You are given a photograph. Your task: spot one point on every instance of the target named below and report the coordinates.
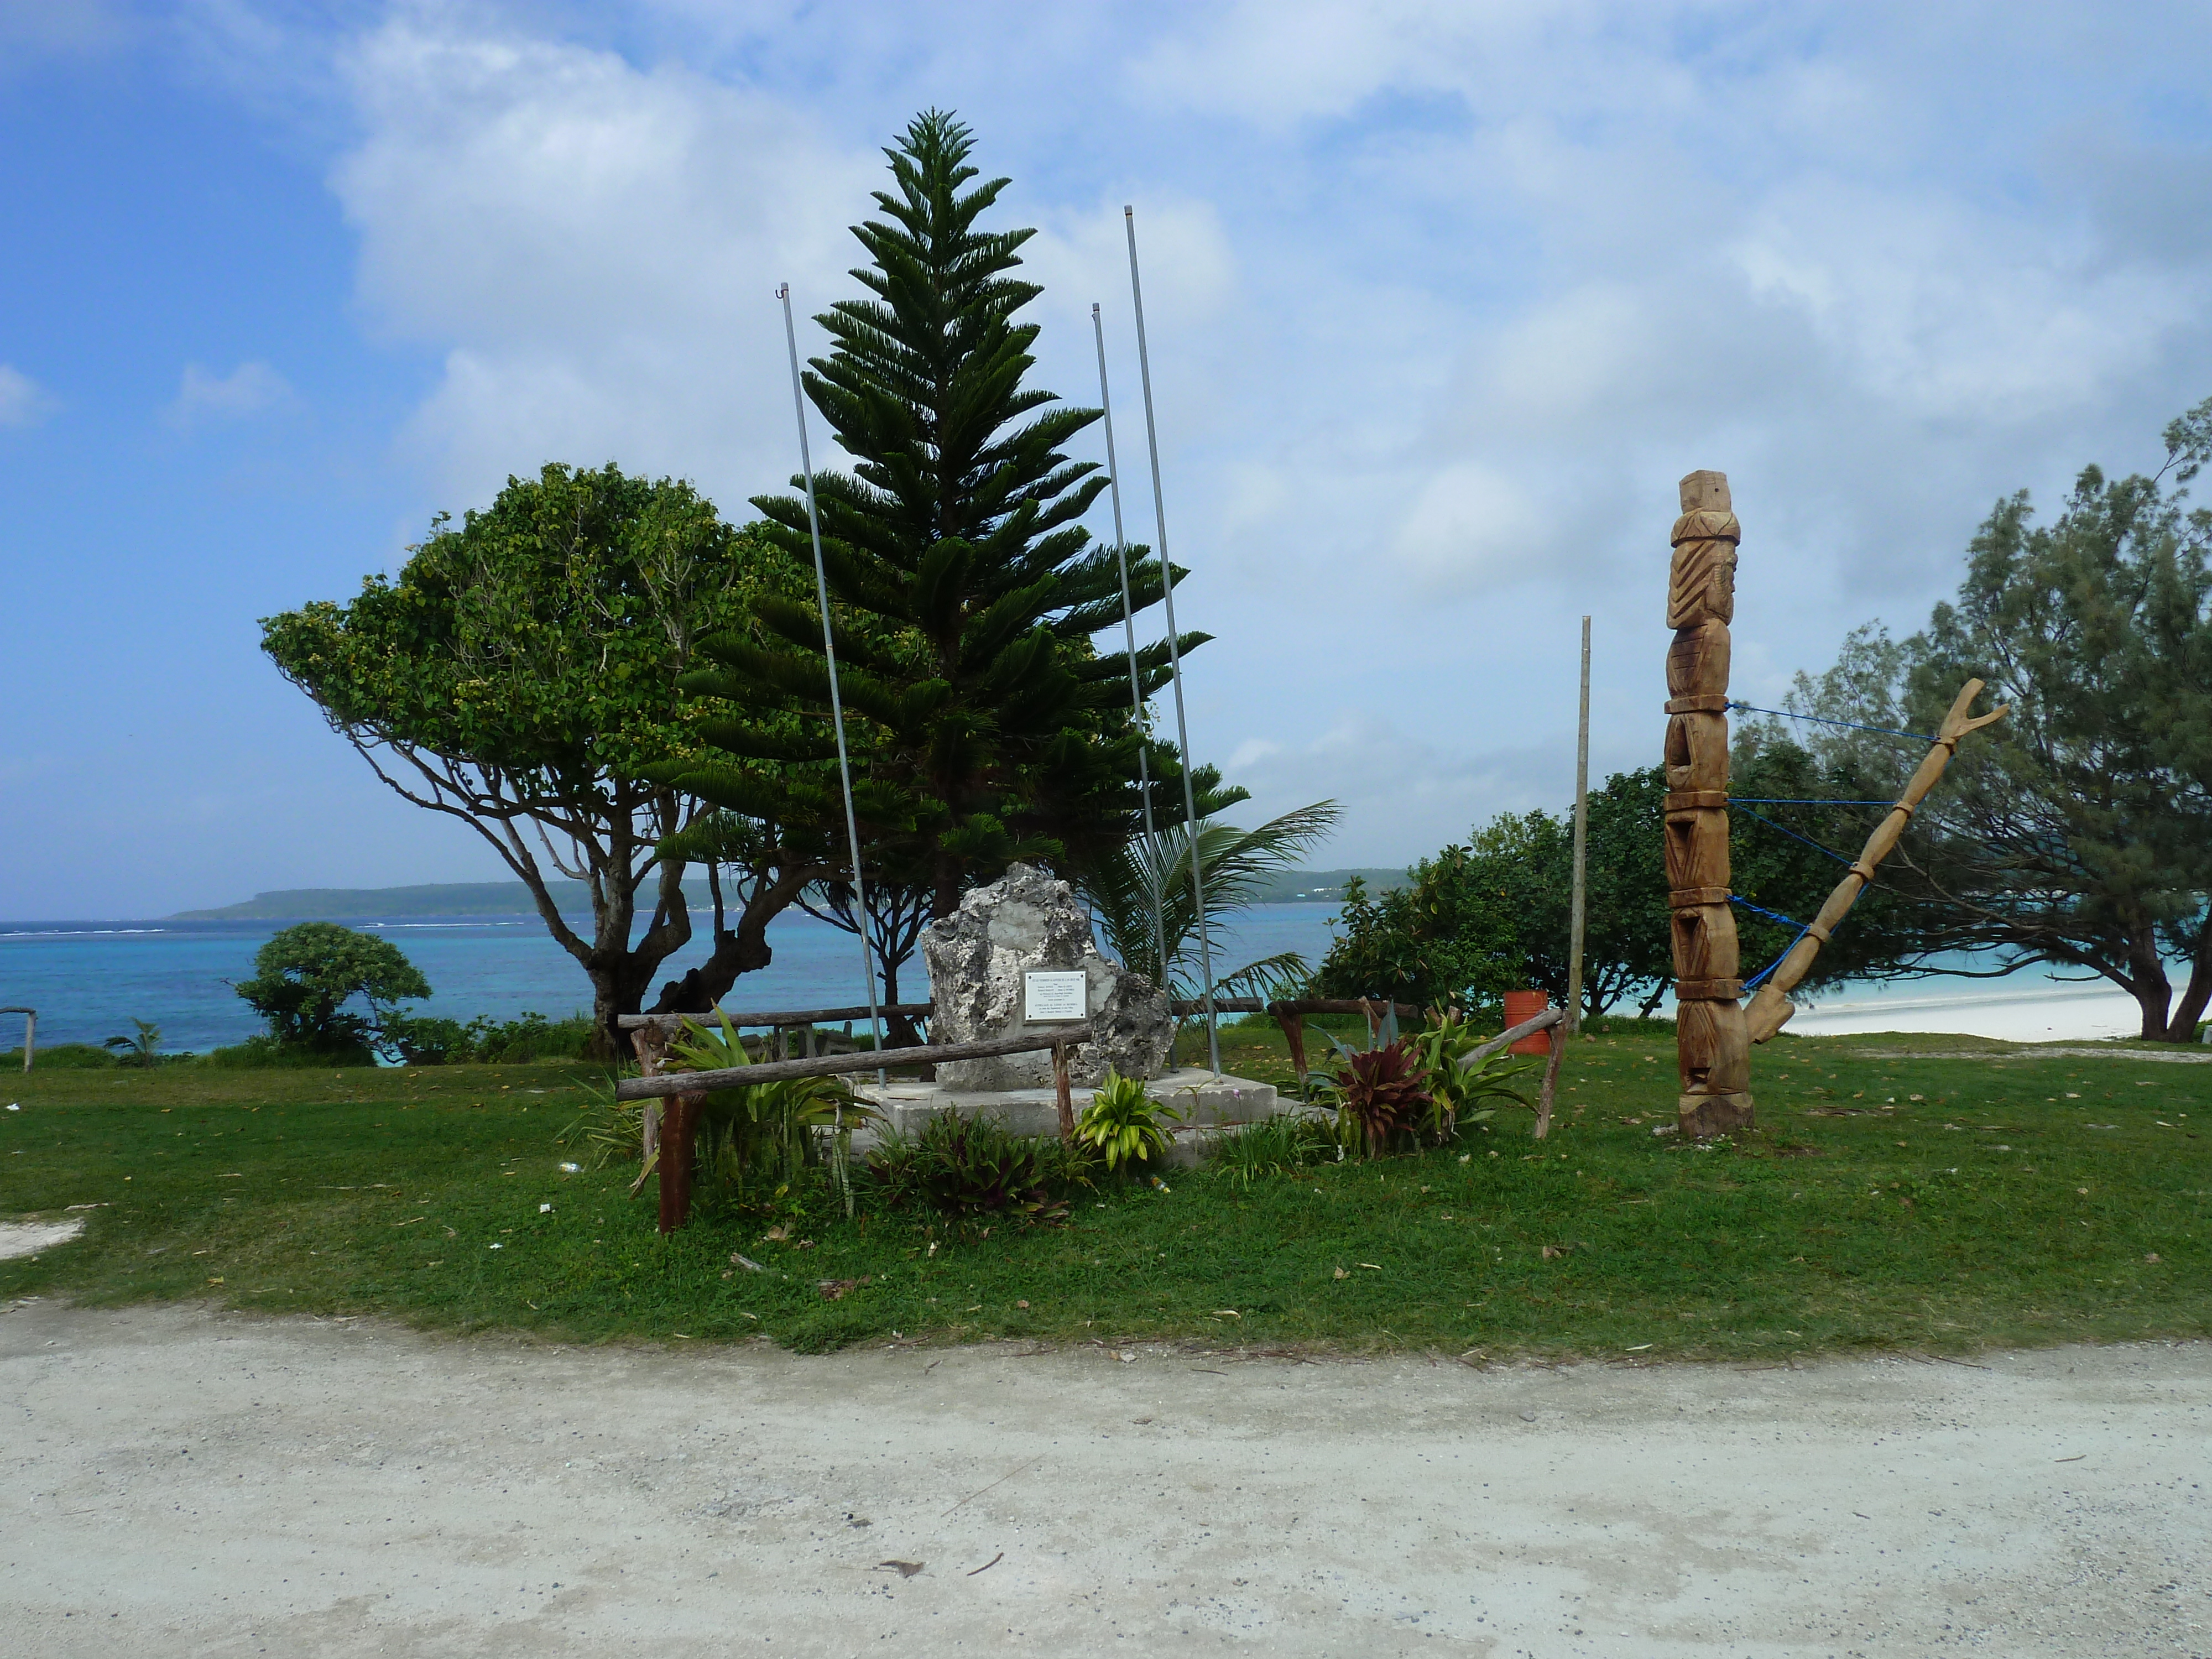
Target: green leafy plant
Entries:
(761, 1135)
(306, 977)
(1123, 1122)
(426, 1040)
(142, 1048)
(1277, 1145)
(969, 1167)
(1456, 1090)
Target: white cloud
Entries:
(597, 245)
(23, 401)
(247, 390)
(1442, 301)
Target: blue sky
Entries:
(1443, 298)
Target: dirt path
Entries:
(185, 1483)
(2198, 1056)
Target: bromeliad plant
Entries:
(1125, 1124)
(1381, 1097)
(1457, 1091)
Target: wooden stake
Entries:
(1551, 1080)
(1063, 1096)
(1712, 1048)
(678, 1133)
(1577, 916)
(1771, 1008)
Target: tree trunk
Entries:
(899, 1032)
(2148, 985)
(745, 949)
(2181, 1028)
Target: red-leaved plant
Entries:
(1381, 1094)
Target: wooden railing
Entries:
(685, 1092)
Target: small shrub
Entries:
(967, 1167)
(427, 1040)
(62, 1057)
(265, 1053)
(766, 1135)
(1277, 1145)
(1123, 1122)
(1457, 1092)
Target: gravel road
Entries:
(177, 1481)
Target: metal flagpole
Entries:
(1174, 653)
(1136, 688)
(1576, 923)
(837, 703)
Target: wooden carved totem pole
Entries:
(1712, 1046)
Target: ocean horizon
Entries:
(89, 979)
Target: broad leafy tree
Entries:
(964, 588)
(518, 674)
(306, 979)
(2078, 831)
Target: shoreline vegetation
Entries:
(1927, 1194)
(459, 899)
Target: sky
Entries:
(1442, 299)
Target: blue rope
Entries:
(1819, 720)
(1771, 916)
(1754, 980)
(1794, 835)
(1763, 801)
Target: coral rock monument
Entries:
(1017, 957)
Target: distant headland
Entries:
(461, 899)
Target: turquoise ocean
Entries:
(89, 980)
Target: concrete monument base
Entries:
(1207, 1103)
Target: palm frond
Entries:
(1234, 866)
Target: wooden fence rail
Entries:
(685, 1092)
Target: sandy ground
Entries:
(29, 1237)
(181, 1482)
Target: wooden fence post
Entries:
(1063, 1093)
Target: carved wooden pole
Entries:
(1712, 1047)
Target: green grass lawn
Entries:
(1912, 1203)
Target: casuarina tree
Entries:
(2077, 832)
(964, 588)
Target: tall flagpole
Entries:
(1174, 653)
(837, 703)
(1578, 914)
(1136, 686)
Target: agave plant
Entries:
(1380, 1094)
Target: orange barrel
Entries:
(1526, 1005)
